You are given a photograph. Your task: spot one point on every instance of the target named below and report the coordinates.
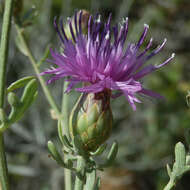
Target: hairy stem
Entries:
(34, 65)
(65, 121)
(3, 62)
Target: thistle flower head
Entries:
(102, 60)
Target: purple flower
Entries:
(102, 62)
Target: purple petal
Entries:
(151, 93)
(70, 86)
(94, 88)
(157, 50)
(71, 30)
(57, 29)
(147, 48)
(146, 27)
(150, 68)
(127, 86)
(130, 100)
(62, 29)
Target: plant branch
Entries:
(4, 47)
(34, 65)
(170, 185)
(3, 63)
(3, 166)
(65, 125)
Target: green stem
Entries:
(34, 64)
(170, 185)
(65, 115)
(91, 181)
(3, 166)
(3, 62)
(79, 183)
(4, 47)
(64, 110)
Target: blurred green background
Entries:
(146, 137)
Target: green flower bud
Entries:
(94, 120)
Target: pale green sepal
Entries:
(82, 123)
(105, 119)
(92, 132)
(74, 113)
(93, 115)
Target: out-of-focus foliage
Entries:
(146, 137)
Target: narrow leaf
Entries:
(111, 156)
(54, 153)
(180, 157)
(168, 170)
(19, 83)
(98, 183)
(99, 151)
(62, 137)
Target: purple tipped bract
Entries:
(102, 61)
